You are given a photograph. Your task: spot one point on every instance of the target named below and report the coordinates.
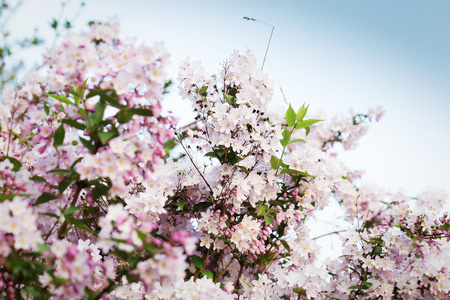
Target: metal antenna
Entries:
(268, 44)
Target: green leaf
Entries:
(204, 89)
(307, 123)
(208, 274)
(167, 84)
(274, 162)
(280, 229)
(202, 205)
(72, 167)
(54, 24)
(37, 178)
(106, 136)
(228, 98)
(46, 109)
(236, 158)
(169, 145)
(71, 210)
(97, 116)
(286, 245)
(59, 135)
(181, 204)
(146, 112)
(100, 191)
(286, 137)
(212, 153)
(59, 171)
(36, 292)
(36, 97)
(45, 197)
(124, 115)
(198, 262)
(377, 250)
(81, 225)
(297, 141)
(65, 183)
(16, 164)
(78, 92)
(290, 116)
(59, 280)
(67, 25)
(307, 130)
(300, 291)
(50, 215)
(151, 247)
(268, 220)
(290, 171)
(366, 285)
(107, 95)
(60, 98)
(261, 208)
(87, 143)
(43, 247)
(4, 197)
(301, 113)
(74, 124)
(269, 257)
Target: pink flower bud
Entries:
(167, 246)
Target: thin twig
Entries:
(192, 161)
(329, 233)
(224, 270)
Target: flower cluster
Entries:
(393, 261)
(343, 128)
(95, 204)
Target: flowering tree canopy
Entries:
(104, 196)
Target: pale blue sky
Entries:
(331, 54)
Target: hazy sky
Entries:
(331, 54)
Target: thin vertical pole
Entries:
(268, 44)
(267, 50)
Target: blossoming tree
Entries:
(104, 197)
